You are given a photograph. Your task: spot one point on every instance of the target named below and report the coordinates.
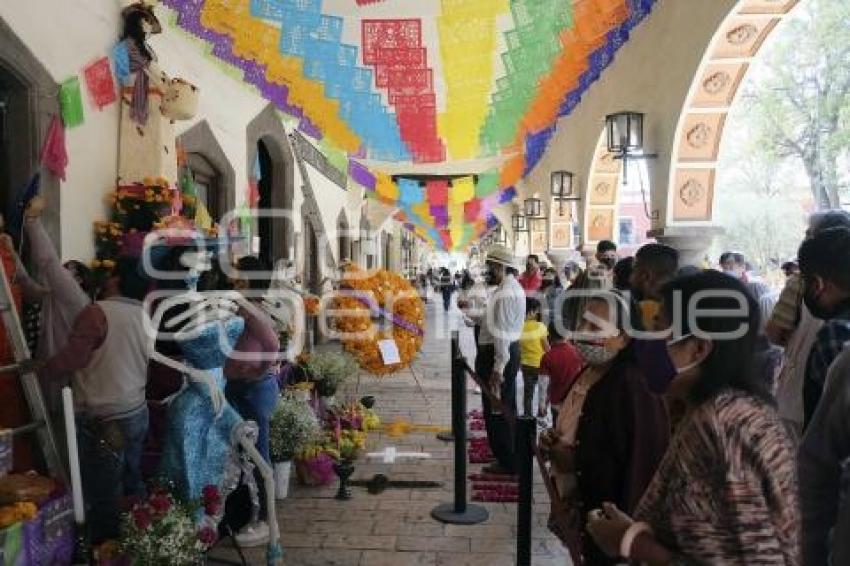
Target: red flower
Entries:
(160, 504)
(142, 517)
(207, 536)
(210, 494)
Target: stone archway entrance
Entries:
(28, 102)
(690, 197)
(272, 166)
(343, 238)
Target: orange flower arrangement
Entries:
(388, 290)
(311, 305)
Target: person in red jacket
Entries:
(560, 365)
(531, 279)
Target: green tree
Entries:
(801, 108)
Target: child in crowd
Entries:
(560, 366)
(533, 344)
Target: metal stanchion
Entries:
(459, 512)
(526, 430)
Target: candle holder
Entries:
(343, 470)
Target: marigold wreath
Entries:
(378, 305)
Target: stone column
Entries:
(692, 242)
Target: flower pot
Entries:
(282, 472)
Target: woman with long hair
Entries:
(611, 431)
(726, 491)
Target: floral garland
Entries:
(375, 294)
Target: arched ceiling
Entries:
(428, 87)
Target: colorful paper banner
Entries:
(71, 103)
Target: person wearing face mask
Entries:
(611, 432)
(498, 357)
(726, 490)
(734, 265)
(531, 279)
(606, 254)
(825, 269)
(655, 265)
(793, 327)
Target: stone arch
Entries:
(32, 103)
(343, 237)
(737, 41)
(266, 128)
(601, 196)
(200, 139)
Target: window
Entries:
(627, 232)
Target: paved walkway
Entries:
(395, 528)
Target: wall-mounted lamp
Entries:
(625, 138)
(519, 223)
(562, 189)
(531, 207)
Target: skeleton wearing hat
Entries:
(150, 100)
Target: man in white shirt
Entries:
(498, 353)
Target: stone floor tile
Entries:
(342, 527)
(433, 529)
(383, 558)
(485, 531)
(455, 559)
(321, 557)
(363, 542)
(438, 544)
(301, 540)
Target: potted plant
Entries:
(161, 530)
(329, 370)
(293, 425)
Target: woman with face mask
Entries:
(726, 490)
(611, 431)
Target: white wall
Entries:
(65, 35)
(652, 73)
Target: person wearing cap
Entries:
(497, 362)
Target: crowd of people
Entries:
(697, 415)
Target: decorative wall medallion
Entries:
(561, 235)
(605, 162)
(602, 189)
(716, 82)
(600, 225)
(538, 242)
(692, 192)
(739, 35)
(699, 135)
(692, 196)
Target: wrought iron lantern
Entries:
(519, 223)
(532, 207)
(624, 133)
(562, 189)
